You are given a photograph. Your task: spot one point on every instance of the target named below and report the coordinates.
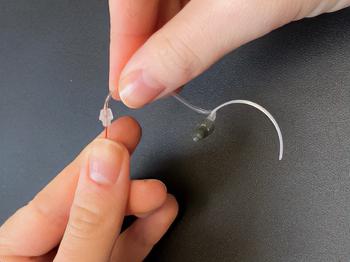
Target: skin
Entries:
(156, 47)
(159, 45)
(75, 218)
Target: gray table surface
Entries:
(238, 202)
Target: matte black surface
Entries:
(238, 202)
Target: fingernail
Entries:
(138, 89)
(105, 162)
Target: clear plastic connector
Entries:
(106, 117)
(106, 114)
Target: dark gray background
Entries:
(238, 202)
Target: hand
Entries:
(159, 45)
(83, 208)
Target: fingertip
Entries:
(127, 131)
(106, 159)
(99, 204)
(108, 149)
(172, 209)
(146, 196)
(115, 94)
(161, 185)
(138, 88)
(128, 122)
(157, 188)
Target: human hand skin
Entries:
(159, 45)
(78, 215)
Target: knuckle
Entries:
(41, 210)
(5, 246)
(9, 245)
(84, 221)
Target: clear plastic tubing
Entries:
(211, 116)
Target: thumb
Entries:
(194, 39)
(199, 35)
(99, 204)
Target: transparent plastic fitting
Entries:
(106, 117)
(106, 114)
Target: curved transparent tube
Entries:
(264, 111)
(190, 106)
(106, 103)
(207, 127)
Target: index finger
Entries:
(132, 22)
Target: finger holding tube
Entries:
(99, 204)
